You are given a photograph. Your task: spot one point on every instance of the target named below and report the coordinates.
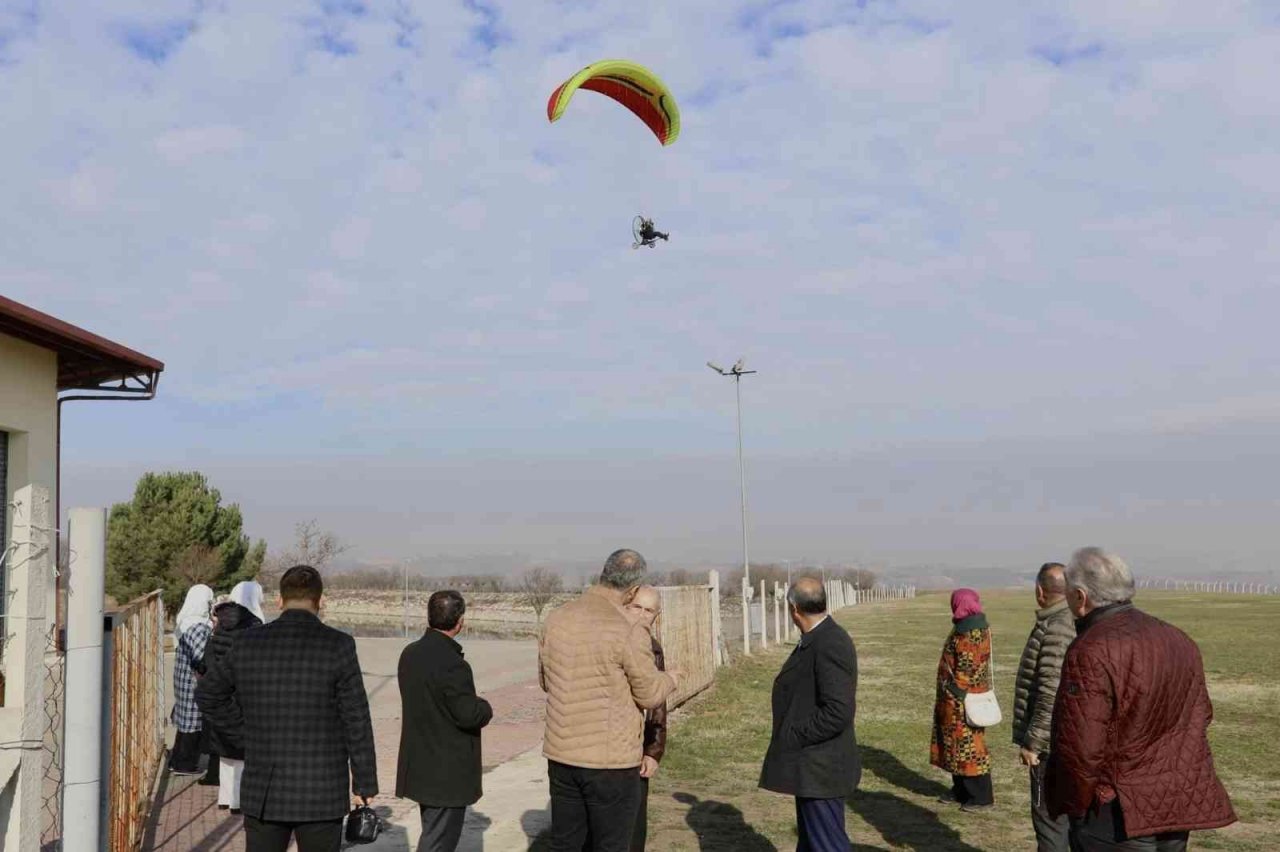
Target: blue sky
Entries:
(350, 232)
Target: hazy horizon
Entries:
(1174, 504)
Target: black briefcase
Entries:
(363, 824)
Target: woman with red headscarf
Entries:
(965, 667)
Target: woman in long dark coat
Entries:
(965, 667)
(242, 612)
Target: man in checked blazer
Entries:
(291, 693)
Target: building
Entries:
(44, 363)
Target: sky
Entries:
(1008, 273)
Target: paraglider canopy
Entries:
(634, 86)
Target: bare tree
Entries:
(861, 578)
(311, 546)
(199, 563)
(538, 587)
(680, 577)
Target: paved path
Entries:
(186, 817)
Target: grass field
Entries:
(705, 797)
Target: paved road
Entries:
(187, 819)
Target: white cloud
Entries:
(182, 146)
(1090, 188)
(350, 239)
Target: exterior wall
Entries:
(29, 413)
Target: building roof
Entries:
(85, 360)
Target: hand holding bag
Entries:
(363, 824)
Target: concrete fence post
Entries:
(82, 783)
(764, 618)
(777, 612)
(717, 648)
(30, 569)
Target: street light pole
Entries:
(737, 372)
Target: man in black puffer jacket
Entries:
(242, 612)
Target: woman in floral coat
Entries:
(965, 667)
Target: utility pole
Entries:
(737, 372)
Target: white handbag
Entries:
(981, 709)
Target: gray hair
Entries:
(808, 595)
(1103, 575)
(623, 569)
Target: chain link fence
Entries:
(55, 682)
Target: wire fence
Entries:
(55, 682)
(136, 722)
(1219, 587)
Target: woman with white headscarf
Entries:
(242, 611)
(191, 630)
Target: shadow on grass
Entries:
(895, 772)
(906, 825)
(721, 826)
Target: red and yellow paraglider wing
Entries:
(634, 86)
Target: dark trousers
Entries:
(596, 803)
(441, 828)
(267, 836)
(640, 836)
(1051, 834)
(820, 823)
(973, 789)
(185, 756)
(1102, 830)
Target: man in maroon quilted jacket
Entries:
(1129, 760)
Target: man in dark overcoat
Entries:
(439, 766)
(291, 694)
(813, 754)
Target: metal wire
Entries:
(55, 682)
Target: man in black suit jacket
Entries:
(291, 693)
(439, 765)
(813, 754)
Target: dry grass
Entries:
(705, 797)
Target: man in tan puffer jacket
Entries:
(599, 675)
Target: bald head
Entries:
(1052, 577)
(808, 596)
(644, 605)
(1051, 583)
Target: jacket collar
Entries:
(297, 616)
(977, 621)
(806, 639)
(1096, 615)
(605, 593)
(436, 636)
(1051, 610)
